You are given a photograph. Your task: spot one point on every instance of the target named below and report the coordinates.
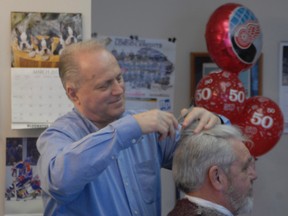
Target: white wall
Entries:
(6, 7)
(186, 20)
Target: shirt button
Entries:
(133, 141)
(135, 212)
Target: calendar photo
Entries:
(37, 39)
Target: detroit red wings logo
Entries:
(246, 33)
(244, 41)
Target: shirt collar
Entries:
(208, 204)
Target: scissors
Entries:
(181, 118)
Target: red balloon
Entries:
(262, 121)
(221, 92)
(233, 37)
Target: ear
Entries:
(35, 40)
(17, 32)
(71, 93)
(217, 177)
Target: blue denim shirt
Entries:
(113, 171)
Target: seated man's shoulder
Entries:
(184, 207)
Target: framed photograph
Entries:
(202, 64)
(283, 82)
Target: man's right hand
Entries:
(157, 121)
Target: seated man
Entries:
(215, 171)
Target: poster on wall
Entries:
(22, 185)
(37, 40)
(148, 67)
(283, 83)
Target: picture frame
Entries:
(283, 64)
(202, 64)
(283, 82)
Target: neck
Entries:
(211, 196)
(99, 125)
(208, 207)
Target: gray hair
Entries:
(68, 65)
(196, 153)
